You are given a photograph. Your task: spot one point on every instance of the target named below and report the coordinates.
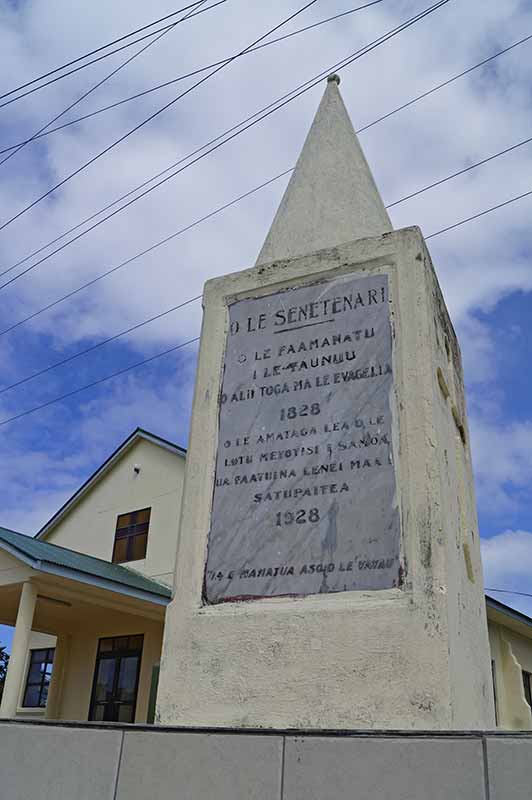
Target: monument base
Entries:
(405, 650)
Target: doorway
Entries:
(116, 679)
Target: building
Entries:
(73, 601)
(88, 596)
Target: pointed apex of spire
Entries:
(332, 197)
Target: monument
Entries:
(328, 571)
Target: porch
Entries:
(108, 622)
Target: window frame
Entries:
(42, 683)
(130, 533)
(527, 686)
(116, 654)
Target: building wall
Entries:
(511, 653)
(80, 663)
(90, 526)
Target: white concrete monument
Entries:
(328, 571)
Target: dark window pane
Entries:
(124, 520)
(143, 516)
(120, 643)
(527, 686)
(135, 643)
(120, 550)
(127, 679)
(97, 713)
(44, 695)
(105, 644)
(138, 545)
(34, 674)
(104, 680)
(110, 712)
(38, 656)
(136, 529)
(125, 713)
(31, 698)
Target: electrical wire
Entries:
(186, 75)
(100, 380)
(445, 83)
(140, 254)
(190, 341)
(137, 188)
(97, 85)
(153, 116)
(480, 214)
(98, 50)
(231, 203)
(255, 119)
(508, 591)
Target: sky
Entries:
(484, 267)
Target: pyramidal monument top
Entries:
(331, 197)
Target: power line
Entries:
(151, 117)
(445, 83)
(360, 130)
(101, 58)
(177, 347)
(480, 214)
(99, 49)
(460, 172)
(508, 591)
(100, 380)
(96, 346)
(100, 83)
(254, 119)
(187, 75)
(229, 204)
(142, 253)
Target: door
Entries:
(116, 679)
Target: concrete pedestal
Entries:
(414, 656)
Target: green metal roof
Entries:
(52, 558)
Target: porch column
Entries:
(55, 692)
(19, 649)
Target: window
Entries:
(131, 537)
(38, 681)
(116, 679)
(495, 698)
(526, 683)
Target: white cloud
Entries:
(506, 559)
(502, 456)
(477, 264)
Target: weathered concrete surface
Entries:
(413, 657)
(191, 766)
(58, 763)
(72, 761)
(331, 197)
(402, 769)
(509, 768)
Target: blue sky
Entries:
(485, 268)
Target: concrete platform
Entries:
(62, 761)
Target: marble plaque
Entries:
(305, 500)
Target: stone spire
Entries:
(332, 197)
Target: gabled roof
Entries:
(51, 558)
(108, 464)
(502, 608)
